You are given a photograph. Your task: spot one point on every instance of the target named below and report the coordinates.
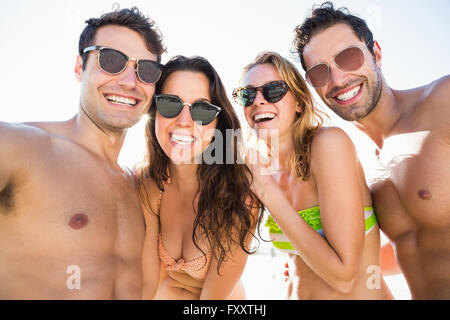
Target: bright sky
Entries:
(40, 38)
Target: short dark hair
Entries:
(131, 18)
(326, 16)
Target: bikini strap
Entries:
(159, 201)
(160, 196)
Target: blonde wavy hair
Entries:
(306, 122)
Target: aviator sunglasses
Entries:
(170, 106)
(113, 62)
(273, 92)
(348, 59)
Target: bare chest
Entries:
(301, 194)
(177, 217)
(413, 187)
(71, 197)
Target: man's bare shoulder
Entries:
(20, 144)
(19, 135)
(436, 98)
(439, 88)
(436, 102)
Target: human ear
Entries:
(78, 68)
(298, 108)
(377, 52)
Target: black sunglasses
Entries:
(273, 92)
(170, 106)
(113, 61)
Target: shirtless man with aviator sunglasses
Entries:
(411, 129)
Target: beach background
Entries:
(39, 41)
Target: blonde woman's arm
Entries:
(334, 168)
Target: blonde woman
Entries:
(320, 206)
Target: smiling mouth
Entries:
(348, 95)
(264, 117)
(124, 101)
(182, 139)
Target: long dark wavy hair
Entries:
(225, 200)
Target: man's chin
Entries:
(352, 113)
(119, 126)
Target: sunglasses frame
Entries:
(157, 96)
(337, 65)
(261, 89)
(137, 61)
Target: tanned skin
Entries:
(71, 223)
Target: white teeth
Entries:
(349, 94)
(121, 100)
(182, 139)
(266, 115)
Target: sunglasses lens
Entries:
(274, 92)
(203, 112)
(318, 75)
(112, 61)
(245, 97)
(168, 106)
(350, 59)
(149, 71)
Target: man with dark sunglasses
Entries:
(71, 223)
(411, 129)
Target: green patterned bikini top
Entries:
(312, 217)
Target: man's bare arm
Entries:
(17, 145)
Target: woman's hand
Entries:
(263, 171)
(184, 281)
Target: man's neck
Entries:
(105, 144)
(379, 124)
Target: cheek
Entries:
(207, 137)
(287, 108)
(248, 116)
(150, 91)
(207, 132)
(159, 130)
(286, 120)
(89, 96)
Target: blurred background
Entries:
(39, 41)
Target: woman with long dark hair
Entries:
(199, 209)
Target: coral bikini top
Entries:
(196, 268)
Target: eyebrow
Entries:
(203, 99)
(250, 86)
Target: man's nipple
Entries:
(424, 194)
(78, 221)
